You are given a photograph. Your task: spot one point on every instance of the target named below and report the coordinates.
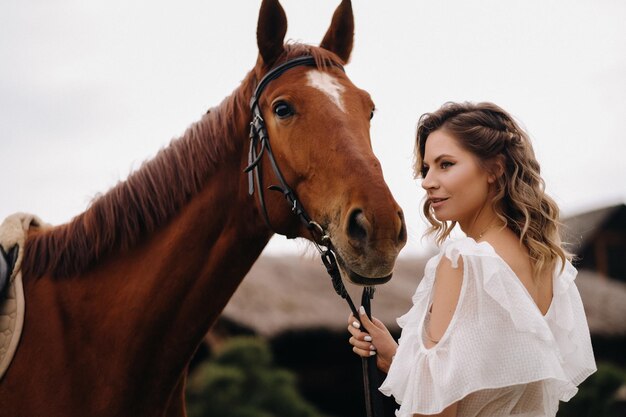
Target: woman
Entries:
(497, 327)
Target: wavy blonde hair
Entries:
(492, 135)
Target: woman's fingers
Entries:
(363, 349)
(364, 353)
(362, 344)
(352, 321)
(365, 321)
(365, 324)
(354, 327)
(361, 341)
(373, 325)
(358, 334)
(379, 324)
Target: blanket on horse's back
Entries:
(13, 233)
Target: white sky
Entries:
(90, 89)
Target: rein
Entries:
(260, 145)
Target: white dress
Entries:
(499, 355)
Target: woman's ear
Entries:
(496, 169)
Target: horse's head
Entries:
(318, 123)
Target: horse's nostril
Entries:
(357, 225)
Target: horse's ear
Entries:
(340, 35)
(271, 30)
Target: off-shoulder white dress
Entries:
(499, 356)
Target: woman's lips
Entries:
(437, 202)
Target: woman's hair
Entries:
(491, 134)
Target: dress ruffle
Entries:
(497, 337)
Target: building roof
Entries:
(291, 293)
(605, 303)
(579, 229)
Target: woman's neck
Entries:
(483, 222)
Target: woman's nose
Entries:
(428, 182)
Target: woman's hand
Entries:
(371, 337)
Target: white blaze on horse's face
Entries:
(328, 85)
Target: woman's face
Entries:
(456, 183)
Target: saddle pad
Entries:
(13, 231)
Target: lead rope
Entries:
(371, 377)
(371, 381)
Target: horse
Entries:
(120, 297)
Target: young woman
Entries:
(497, 327)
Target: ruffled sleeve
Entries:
(568, 323)
(496, 338)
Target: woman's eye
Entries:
(445, 165)
(283, 110)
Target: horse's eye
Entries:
(283, 110)
(372, 113)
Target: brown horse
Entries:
(119, 299)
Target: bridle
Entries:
(260, 145)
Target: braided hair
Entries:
(492, 135)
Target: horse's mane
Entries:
(153, 194)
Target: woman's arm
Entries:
(446, 293)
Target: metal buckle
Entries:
(324, 239)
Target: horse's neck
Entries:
(185, 273)
(189, 268)
(156, 301)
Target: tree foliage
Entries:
(596, 396)
(241, 381)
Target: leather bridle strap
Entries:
(259, 146)
(259, 137)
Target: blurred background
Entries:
(90, 90)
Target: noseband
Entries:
(260, 145)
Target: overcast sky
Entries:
(91, 89)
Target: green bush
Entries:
(596, 396)
(242, 382)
